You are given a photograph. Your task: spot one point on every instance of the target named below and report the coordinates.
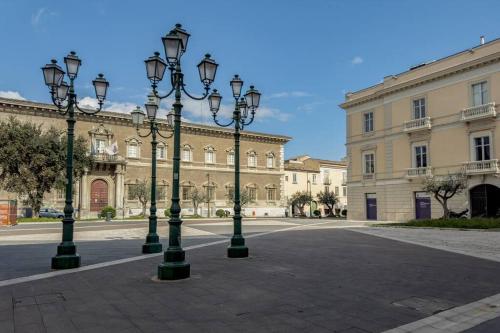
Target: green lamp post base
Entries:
(174, 270)
(66, 261)
(238, 251)
(152, 248)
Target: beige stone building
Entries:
(207, 162)
(433, 119)
(312, 175)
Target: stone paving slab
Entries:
(295, 281)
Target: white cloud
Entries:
(36, 17)
(357, 60)
(11, 95)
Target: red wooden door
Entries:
(98, 195)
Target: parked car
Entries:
(51, 212)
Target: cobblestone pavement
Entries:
(307, 279)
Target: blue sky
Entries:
(302, 55)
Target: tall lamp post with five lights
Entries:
(240, 119)
(65, 99)
(152, 244)
(174, 266)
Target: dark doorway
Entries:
(422, 205)
(98, 195)
(371, 206)
(485, 201)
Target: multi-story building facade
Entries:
(434, 119)
(312, 175)
(207, 163)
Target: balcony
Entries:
(482, 167)
(479, 112)
(417, 125)
(368, 176)
(106, 158)
(326, 181)
(418, 172)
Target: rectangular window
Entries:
(271, 194)
(421, 156)
(314, 178)
(294, 178)
(100, 146)
(230, 158)
(230, 193)
(162, 153)
(344, 191)
(369, 163)
(132, 150)
(252, 161)
(210, 193)
(185, 193)
(482, 148)
(479, 93)
(130, 195)
(336, 190)
(209, 157)
(419, 108)
(270, 161)
(327, 188)
(286, 178)
(186, 155)
(252, 193)
(368, 122)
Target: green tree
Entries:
(245, 197)
(141, 191)
(300, 199)
(444, 188)
(329, 199)
(197, 197)
(34, 161)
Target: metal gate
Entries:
(98, 195)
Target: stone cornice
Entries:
(383, 92)
(47, 110)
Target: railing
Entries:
(479, 112)
(368, 176)
(482, 167)
(326, 181)
(419, 172)
(417, 124)
(104, 157)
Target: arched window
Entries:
(187, 155)
(252, 159)
(209, 155)
(270, 160)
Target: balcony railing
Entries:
(417, 124)
(104, 157)
(326, 181)
(419, 172)
(479, 112)
(482, 167)
(368, 176)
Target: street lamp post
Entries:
(237, 249)
(174, 266)
(65, 99)
(152, 244)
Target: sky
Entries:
(302, 55)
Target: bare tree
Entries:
(197, 197)
(444, 188)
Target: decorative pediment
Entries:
(101, 130)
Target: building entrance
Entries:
(485, 201)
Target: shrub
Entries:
(337, 211)
(317, 212)
(167, 212)
(220, 212)
(344, 212)
(105, 210)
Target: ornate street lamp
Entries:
(175, 43)
(152, 244)
(250, 102)
(65, 99)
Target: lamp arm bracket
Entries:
(143, 135)
(155, 92)
(193, 97)
(61, 108)
(243, 123)
(89, 112)
(223, 125)
(167, 136)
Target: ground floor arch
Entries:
(98, 195)
(485, 200)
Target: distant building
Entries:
(433, 119)
(207, 162)
(312, 175)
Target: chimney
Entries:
(481, 40)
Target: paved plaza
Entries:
(302, 276)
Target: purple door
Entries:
(422, 206)
(371, 207)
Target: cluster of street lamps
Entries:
(174, 265)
